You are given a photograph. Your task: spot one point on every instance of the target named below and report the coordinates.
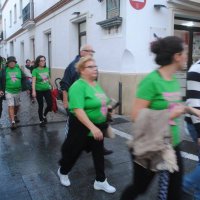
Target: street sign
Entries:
(138, 4)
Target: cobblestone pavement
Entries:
(28, 113)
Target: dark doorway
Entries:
(189, 31)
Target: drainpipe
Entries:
(31, 9)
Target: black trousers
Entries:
(77, 140)
(39, 96)
(143, 177)
(1, 106)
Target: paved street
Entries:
(29, 156)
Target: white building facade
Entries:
(120, 32)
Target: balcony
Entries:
(28, 17)
(111, 23)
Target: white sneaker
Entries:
(64, 179)
(105, 186)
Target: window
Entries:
(15, 13)
(10, 18)
(22, 52)
(4, 28)
(32, 42)
(48, 49)
(11, 48)
(82, 33)
(113, 8)
(20, 8)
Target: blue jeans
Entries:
(191, 181)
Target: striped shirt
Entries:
(193, 94)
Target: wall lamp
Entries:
(159, 6)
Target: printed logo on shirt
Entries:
(13, 76)
(45, 77)
(103, 100)
(172, 98)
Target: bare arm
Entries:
(83, 118)
(33, 87)
(193, 111)
(141, 104)
(65, 99)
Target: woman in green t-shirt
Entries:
(41, 88)
(88, 107)
(158, 91)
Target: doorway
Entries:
(189, 31)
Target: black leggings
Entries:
(47, 95)
(77, 140)
(143, 177)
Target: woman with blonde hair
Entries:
(88, 106)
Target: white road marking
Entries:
(129, 137)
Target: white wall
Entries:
(125, 51)
(109, 47)
(140, 26)
(42, 5)
(16, 25)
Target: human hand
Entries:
(96, 132)
(193, 111)
(65, 104)
(177, 111)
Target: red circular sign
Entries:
(138, 4)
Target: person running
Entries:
(13, 81)
(87, 121)
(160, 90)
(41, 88)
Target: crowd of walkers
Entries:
(155, 148)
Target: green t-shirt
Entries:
(13, 80)
(162, 94)
(42, 79)
(91, 99)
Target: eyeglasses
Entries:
(42, 60)
(89, 51)
(91, 66)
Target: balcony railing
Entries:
(28, 16)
